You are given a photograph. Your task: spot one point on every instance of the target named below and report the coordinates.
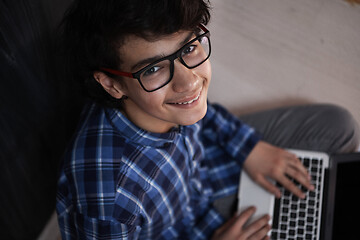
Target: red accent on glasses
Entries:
(116, 72)
(203, 28)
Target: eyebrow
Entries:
(149, 60)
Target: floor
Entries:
(269, 53)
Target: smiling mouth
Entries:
(190, 101)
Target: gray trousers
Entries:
(325, 128)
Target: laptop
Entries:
(331, 211)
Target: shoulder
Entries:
(110, 175)
(92, 162)
(96, 135)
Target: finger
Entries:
(296, 163)
(261, 234)
(259, 227)
(300, 177)
(243, 218)
(234, 226)
(289, 185)
(265, 183)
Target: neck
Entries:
(144, 120)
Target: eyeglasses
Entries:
(159, 73)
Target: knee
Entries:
(343, 124)
(338, 115)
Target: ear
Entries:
(112, 86)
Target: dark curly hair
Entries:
(92, 30)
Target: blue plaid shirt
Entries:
(121, 182)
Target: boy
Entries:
(152, 158)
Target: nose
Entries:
(184, 79)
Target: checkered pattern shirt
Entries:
(120, 182)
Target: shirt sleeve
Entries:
(93, 228)
(74, 225)
(236, 138)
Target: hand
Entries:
(234, 228)
(267, 161)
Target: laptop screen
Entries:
(347, 199)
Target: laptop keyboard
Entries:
(296, 218)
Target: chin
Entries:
(194, 118)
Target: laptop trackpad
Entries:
(255, 196)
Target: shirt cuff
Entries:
(246, 144)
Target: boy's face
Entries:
(181, 102)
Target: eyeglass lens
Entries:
(159, 74)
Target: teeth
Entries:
(191, 101)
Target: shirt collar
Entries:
(138, 135)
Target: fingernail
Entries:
(252, 208)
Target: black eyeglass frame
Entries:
(171, 58)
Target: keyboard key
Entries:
(314, 161)
(295, 198)
(285, 210)
(306, 162)
(296, 182)
(310, 219)
(314, 178)
(309, 228)
(311, 211)
(312, 194)
(303, 189)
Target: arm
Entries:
(243, 143)
(74, 225)
(91, 228)
(227, 131)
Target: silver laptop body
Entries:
(292, 218)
